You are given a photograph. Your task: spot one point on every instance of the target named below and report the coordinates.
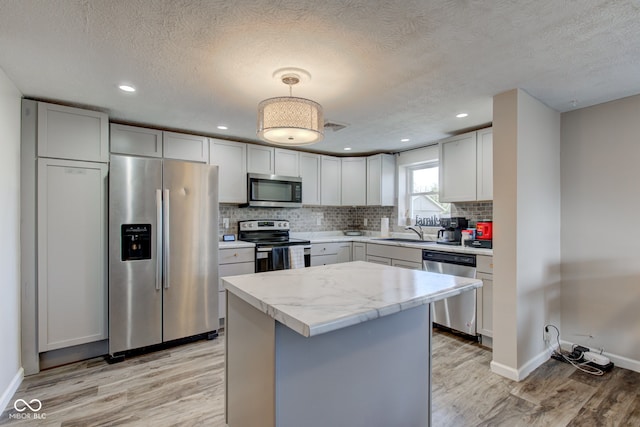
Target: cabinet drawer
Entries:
(232, 256)
(406, 264)
(484, 264)
(378, 260)
(325, 249)
(324, 259)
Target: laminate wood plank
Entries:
(185, 386)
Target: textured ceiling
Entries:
(387, 69)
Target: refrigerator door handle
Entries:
(165, 219)
(159, 239)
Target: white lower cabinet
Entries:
(394, 255)
(72, 253)
(233, 262)
(484, 308)
(359, 252)
(330, 253)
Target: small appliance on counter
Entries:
(451, 231)
(484, 236)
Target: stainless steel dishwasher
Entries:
(456, 313)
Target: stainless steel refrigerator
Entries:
(163, 251)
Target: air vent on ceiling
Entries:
(334, 126)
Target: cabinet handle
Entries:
(491, 265)
(235, 254)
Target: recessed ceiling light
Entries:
(405, 140)
(461, 115)
(347, 148)
(127, 88)
(222, 127)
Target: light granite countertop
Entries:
(317, 300)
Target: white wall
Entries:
(600, 243)
(526, 212)
(10, 370)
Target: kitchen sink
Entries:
(398, 239)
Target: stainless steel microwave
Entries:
(274, 191)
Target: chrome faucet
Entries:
(419, 232)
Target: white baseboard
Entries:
(619, 361)
(5, 399)
(522, 372)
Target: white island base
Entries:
(375, 373)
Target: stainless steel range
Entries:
(275, 250)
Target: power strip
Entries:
(596, 358)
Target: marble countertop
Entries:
(317, 300)
(235, 245)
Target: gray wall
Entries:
(600, 255)
(10, 371)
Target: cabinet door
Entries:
(286, 162)
(231, 270)
(458, 169)
(381, 178)
(136, 141)
(182, 146)
(231, 158)
(344, 252)
(359, 252)
(485, 164)
(310, 173)
(484, 306)
(330, 181)
(72, 253)
(354, 181)
(260, 159)
(72, 133)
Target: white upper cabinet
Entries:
(458, 168)
(354, 181)
(381, 177)
(136, 141)
(287, 162)
(310, 174)
(330, 180)
(181, 146)
(72, 133)
(231, 158)
(485, 164)
(260, 159)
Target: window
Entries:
(422, 192)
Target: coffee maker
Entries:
(451, 231)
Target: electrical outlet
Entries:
(318, 220)
(365, 222)
(225, 222)
(545, 334)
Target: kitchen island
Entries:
(342, 344)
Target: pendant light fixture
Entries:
(288, 120)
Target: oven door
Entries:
(269, 258)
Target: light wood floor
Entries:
(185, 386)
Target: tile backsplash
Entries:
(336, 218)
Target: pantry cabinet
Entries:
(71, 133)
(381, 178)
(330, 181)
(231, 159)
(466, 167)
(354, 181)
(135, 141)
(260, 159)
(181, 146)
(310, 174)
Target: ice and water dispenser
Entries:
(136, 241)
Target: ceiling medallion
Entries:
(289, 120)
